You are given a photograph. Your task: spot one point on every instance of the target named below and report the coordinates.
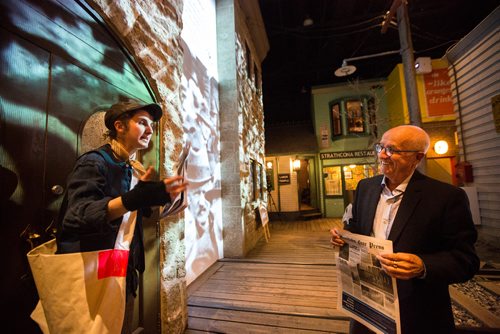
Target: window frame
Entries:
(339, 126)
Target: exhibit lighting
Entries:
(269, 164)
(441, 147)
(296, 164)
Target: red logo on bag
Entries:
(112, 263)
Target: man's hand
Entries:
(402, 265)
(336, 239)
(175, 185)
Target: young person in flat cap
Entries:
(108, 183)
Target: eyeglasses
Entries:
(390, 151)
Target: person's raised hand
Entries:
(175, 185)
(149, 175)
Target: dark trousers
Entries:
(129, 315)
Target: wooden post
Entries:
(408, 64)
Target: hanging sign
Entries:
(284, 178)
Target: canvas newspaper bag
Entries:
(82, 292)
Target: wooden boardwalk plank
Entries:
(257, 306)
(274, 298)
(266, 319)
(288, 285)
(267, 289)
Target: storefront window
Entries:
(355, 173)
(372, 120)
(336, 122)
(333, 181)
(355, 123)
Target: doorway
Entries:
(306, 185)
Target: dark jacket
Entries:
(97, 178)
(435, 223)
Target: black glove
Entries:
(145, 194)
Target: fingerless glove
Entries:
(145, 194)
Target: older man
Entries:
(430, 225)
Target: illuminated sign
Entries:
(347, 154)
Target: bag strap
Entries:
(64, 204)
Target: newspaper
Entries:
(179, 203)
(366, 292)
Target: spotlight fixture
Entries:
(308, 21)
(345, 70)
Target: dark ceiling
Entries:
(301, 57)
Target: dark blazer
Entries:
(435, 223)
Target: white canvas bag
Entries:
(82, 292)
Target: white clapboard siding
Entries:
(475, 78)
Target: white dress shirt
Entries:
(387, 208)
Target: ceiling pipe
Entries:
(371, 56)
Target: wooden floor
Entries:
(285, 286)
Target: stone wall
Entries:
(251, 127)
(151, 30)
(242, 45)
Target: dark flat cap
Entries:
(122, 107)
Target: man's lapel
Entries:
(372, 197)
(410, 200)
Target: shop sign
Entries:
(283, 178)
(438, 93)
(347, 154)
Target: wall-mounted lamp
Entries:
(346, 69)
(308, 21)
(269, 164)
(296, 164)
(441, 147)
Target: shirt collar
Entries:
(400, 189)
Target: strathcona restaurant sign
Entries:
(347, 154)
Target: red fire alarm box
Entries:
(464, 172)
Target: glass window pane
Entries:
(333, 181)
(336, 123)
(372, 110)
(355, 173)
(355, 116)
